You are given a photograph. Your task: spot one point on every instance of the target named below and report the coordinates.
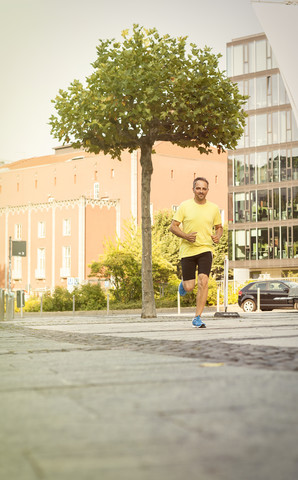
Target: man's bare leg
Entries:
(189, 285)
(202, 293)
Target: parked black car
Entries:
(273, 294)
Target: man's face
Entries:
(200, 190)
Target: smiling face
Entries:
(200, 191)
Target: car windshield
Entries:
(291, 284)
(260, 285)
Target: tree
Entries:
(164, 243)
(220, 252)
(145, 89)
(122, 261)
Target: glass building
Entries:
(263, 169)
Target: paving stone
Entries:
(120, 398)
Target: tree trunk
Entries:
(148, 301)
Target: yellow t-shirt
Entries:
(197, 218)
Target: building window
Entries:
(263, 243)
(295, 163)
(252, 168)
(239, 170)
(18, 187)
(18, 231)
(294, 129)
(35, 183)
(238, 60)
(239, 203)
(17, 268)
(66, 262)
(253, 244)
(172, 174)
(283, 165)
(112, 173)
(74, 179)
(261, 130)
(253, 206)
(174, 208)
(295, 202)
(96, 190)
(261, 55)
(66, 227)
(261, 92)
(262, 203)
(41, 263)
(41, 230)
(261, 158)
(295, 241)
(239, 244)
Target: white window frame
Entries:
(41, 229)
(18, 231)
(96, 190)
(40, 271)
(66, 227)
(17, 268)
(66, 262)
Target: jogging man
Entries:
(197, 217)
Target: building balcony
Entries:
(40, 274)
(64, 272)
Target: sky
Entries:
(46, 44)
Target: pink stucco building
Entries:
(65, 206)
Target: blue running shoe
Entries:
(181, 290)
(197, 322)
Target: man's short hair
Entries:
(203, 179)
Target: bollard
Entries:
(21, 300)
(10, 306)
(217, 299)
(258, 299)
(108, 303)
(73, 304)
(1, 304)
(178, 302)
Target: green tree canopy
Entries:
(122, 261)
(220, 252)
(145, 89)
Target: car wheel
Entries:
(249, 305)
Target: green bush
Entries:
(89, 297)
(59, 301)
(32, 304)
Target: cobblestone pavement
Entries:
(119, 398)
(230, 350)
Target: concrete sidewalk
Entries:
(97, 397)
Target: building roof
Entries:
(161, 148)
(44, 160)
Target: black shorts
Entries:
(189, 265)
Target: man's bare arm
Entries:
(218, 233)
(176, 230)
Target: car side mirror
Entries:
(286, 289)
